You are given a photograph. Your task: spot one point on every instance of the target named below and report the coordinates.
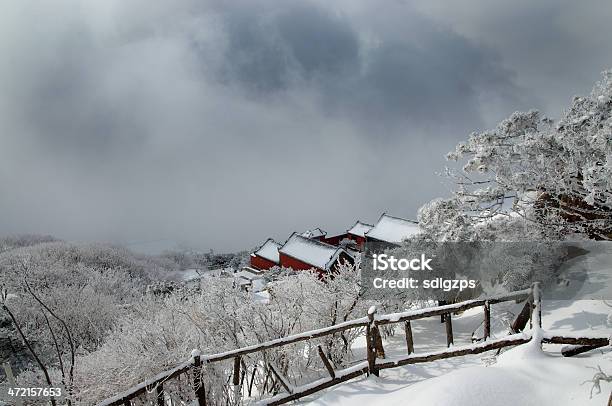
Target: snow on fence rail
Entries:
(374, 349)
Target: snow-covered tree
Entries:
(554, 176)
(159, 332)
(531, 180)
(65, 299)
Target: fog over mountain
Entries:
(218, 124)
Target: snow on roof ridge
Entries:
(268, 252)
(362, 223)
(393, 229)
(397, 218)
(311, 233)
(355, 226)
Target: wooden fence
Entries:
(194, 368)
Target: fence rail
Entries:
(531, 312)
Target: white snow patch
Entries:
(312, 252)
(522, 376)
(393, 229)
(359, 229)
(269, 250)
(314, 233)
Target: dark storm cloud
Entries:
(409, 77)
(286, 44)
(223, 123)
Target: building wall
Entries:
(335, 240)
(258, 262)
(379, 246)
(297, 265)
(359, 240)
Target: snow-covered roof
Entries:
(312, 252)
(359, 229)
(247, 275)
(393, 229)
(252, 270)
(314, 233)
(269, 250)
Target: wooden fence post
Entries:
(266, 379)
(442, 303)
(531, 307)
(537, 302)
(409, 339)
(536, 331)
(243, 373)
(236, 379)
(378, 344)
(449, 329)
(524, 316)
(281, 379)
(159, 394)
(252, 379)
(521, 320)
(370, 345)
(326, 362)
(487, 320)
(198, 383)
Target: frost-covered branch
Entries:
(597, 379)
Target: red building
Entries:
(391, 230)
(336, 239)
(357, 233)
(302, 253)
(266, 256)
(354, 238)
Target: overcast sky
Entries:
(219, 124)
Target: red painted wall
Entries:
(335, 240)
(359, 240)
(258, 262)
(297, 265)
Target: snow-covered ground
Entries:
(518, 376)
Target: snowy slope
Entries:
(514, 380)
(518, 377)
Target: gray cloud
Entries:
(555, 48)
(301, 41)
(376, 73)
(220, 124)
